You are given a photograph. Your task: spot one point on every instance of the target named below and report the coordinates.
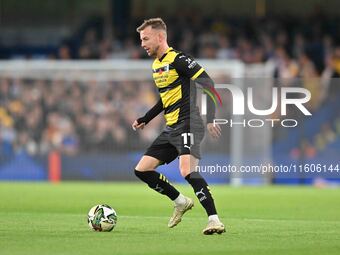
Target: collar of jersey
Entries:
(167, 51)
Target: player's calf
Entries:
(158, 182)
(203, 194)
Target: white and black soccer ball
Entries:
(102, 218)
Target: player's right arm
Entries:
(152, 113)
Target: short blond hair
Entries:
(155, 23)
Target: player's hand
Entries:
(136, 126)
(214, 130)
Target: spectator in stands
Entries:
(64, 52)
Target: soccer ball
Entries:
(102, 218)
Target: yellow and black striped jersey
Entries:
(172, 74)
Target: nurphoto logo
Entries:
(280, 98)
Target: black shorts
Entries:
(173, 142)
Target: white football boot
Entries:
(179, 211)
(214, 226)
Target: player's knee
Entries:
(185, 170)
(140, 166)
(184, 167)
(147, 164)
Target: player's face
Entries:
(150, 40)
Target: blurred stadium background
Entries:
(73, 78)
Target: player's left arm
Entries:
(206, 82)
(188, 67)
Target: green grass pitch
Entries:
(41, 218)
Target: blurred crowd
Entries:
(252, 40)
(38, 116)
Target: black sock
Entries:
(202, 192)
(158, 182)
